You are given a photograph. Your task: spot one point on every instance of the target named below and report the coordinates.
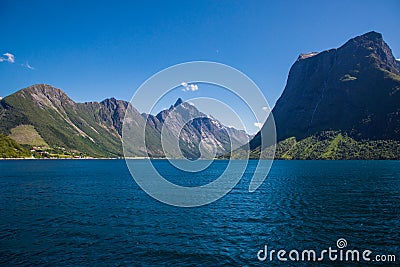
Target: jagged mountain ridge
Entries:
(95, 128)
(192, 126)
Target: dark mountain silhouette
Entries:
(353, 90)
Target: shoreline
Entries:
(141, 158)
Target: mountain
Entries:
(197, 132)
(353, 90)
(44, 117)
(59, 121)
(341, 103)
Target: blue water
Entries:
(91, 212)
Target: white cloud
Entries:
(7, 57)
(398, 59)
(189, 87)
(10, 58)
(258, 125)
(194, 87)
(266, 109)
(28, 66)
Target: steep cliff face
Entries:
(109, 113)
(351, 92)
(353, 89)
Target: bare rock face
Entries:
(353, 89)
(195, 129)
(46, 96)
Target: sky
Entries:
(99, 49)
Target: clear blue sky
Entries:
(99, 49)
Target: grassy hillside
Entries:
(27, 134)
(11, 149)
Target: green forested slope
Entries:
(11, 149)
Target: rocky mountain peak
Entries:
(178, 102)
(44, 89)
(109, 100)
(372, 35)
(45, 95)
(373, 48)
(114, 103)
